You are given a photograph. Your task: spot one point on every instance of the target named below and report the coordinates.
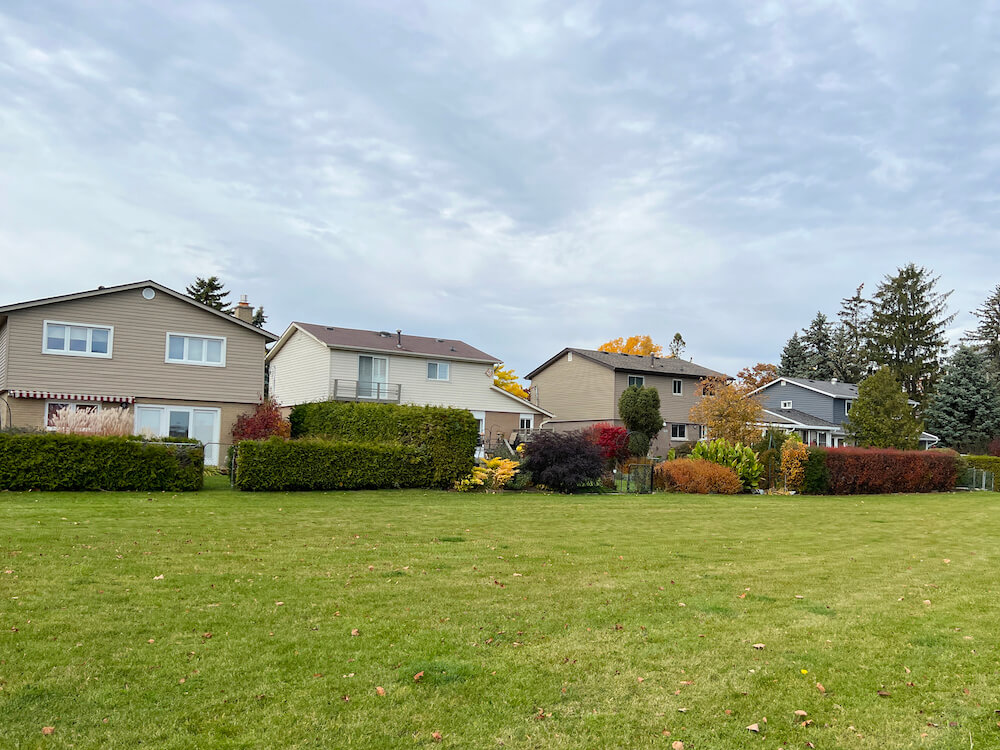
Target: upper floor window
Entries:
(638, 380)
(438, 370)
(786, 404)
(678, 387)
(847, 405)
(77, 339)
(185, 349)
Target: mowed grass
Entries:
(222, 619)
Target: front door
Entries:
(373, 377)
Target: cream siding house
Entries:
(319, 363)
(181, 368)
(582, 388)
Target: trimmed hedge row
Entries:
(55, 461)
(314, 464)
(871, 471)
(984, 463)
(446, 436)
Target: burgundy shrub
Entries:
(872, 471)
(263, 422)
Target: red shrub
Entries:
(862, 471)
(993, 449)
(612, 440)
(695, 475)
(263, 422)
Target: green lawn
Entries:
(221, 619)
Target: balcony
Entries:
(354, 390)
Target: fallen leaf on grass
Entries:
(355, 632)
(206, 636)
(640, 679)
(800, 712)
(682, 710)
(884, 694)
(155, 578)
(758, 646)
(279, 604)
(48, 730)
(380, 691)
(753, 728)
(151, 640)
(677, 745)
(417, 676)
(819, 686)
(436, 736)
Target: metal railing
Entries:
(359, 390)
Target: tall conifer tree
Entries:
(965, 409)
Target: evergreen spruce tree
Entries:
(907, 331)
(259, 318)
(965, 409)
(794, 359)
(986, 335)
(211, 292)
(882, 417)
(855, 319)
(818, 340)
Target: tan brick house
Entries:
(582, 387)
(183, 369)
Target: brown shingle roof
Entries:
(388, 341)
(637, 363)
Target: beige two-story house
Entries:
(183, 369)
(582, 388)
(313, 362)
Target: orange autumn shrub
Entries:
(696, 476)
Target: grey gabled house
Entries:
(815, 410)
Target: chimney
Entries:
(652, 359)
(243, 311)
(399, 338)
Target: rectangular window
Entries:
(678, 387)
(678, 432)
(847, 406)
(786, 404)
(638, 380)
(76, 339)
(52, 408)
(185, 349)
(437, 370)
(526, 422)
(822, 439)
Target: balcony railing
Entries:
(354, 390)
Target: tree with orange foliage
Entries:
(632, 345)
(727, 411)
(504, 377)
(752, 378)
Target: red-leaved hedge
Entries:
(871, 471)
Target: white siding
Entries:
(3, 355)
(468, 386)
(301, 371)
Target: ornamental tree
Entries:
(504, 377)
(639, 409)
(882, 416)
(263, 422)
(727, 410)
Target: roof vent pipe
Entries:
(399, 338)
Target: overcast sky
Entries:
(522, 176)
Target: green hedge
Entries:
(54, 461)
(446, 436)
(817, 474)
(984, 463)
(315, 464)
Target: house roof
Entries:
(796, 417)
(135, 285)
(826, 387)
(635, 363)
(387, 341)
(526, 404)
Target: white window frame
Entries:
(438, 364)
(90, 335)
(165, 410)
(188, 336)
(678, 387)
(640, 378)
(73, 404)
(848, 403)
(786, 404)
(683, 430)
(529, 418)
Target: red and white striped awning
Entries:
(51, 396)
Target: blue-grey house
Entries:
(814, 409)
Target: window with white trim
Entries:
(638, 380)
(186, 349)
(847, 406)
(438, 370)
(678, 387)
(786, 404)
(526, 422)
(77, 339)
(53, 408)
(678, 432)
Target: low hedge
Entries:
(55, 461)
(316, 464)
(696, 476)
(448, 437)
(984, 463)
(871, 471)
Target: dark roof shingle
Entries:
(638, 363)
(387, 341)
